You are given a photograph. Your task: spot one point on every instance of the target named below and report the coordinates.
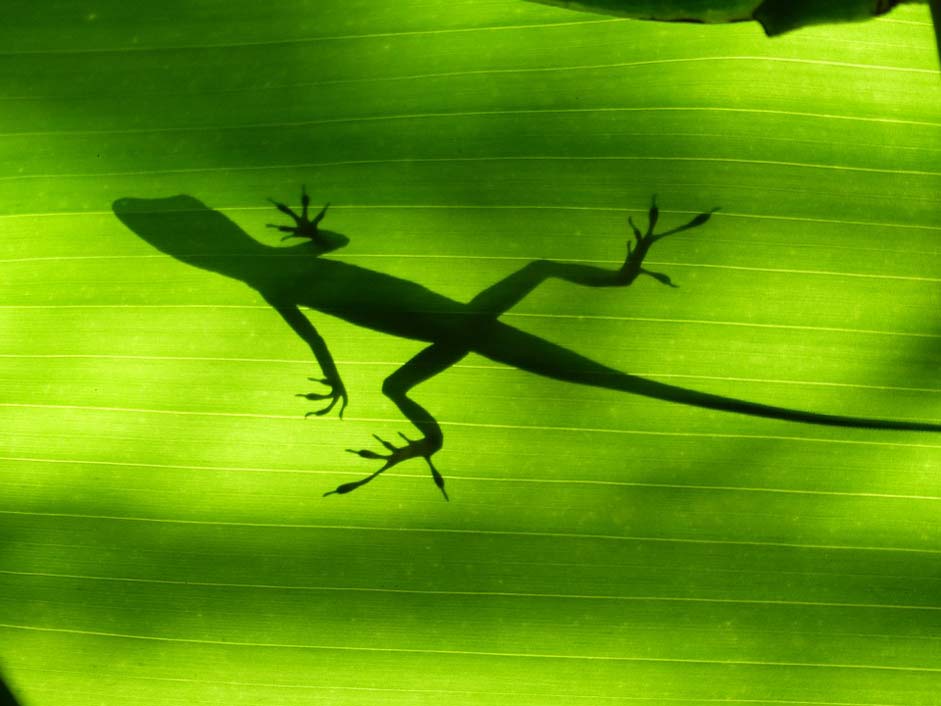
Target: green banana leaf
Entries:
(164, 538)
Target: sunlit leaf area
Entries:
(164, 535)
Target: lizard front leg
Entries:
(331, 376)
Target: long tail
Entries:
(508, 345)
(681, 395)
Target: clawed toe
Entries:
(315, 396)
(413, 448)
(652, 217)
(291, 231)
(397, 454)
(660, 277)
(336, 395)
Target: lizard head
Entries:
(191, 232)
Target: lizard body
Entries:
(295, 277)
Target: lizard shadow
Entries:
(289, 278)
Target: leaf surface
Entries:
(163, 539)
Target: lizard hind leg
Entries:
(432, 360)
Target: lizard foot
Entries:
(413, 448)
(304, 226)
(336, 394)
(637, 251)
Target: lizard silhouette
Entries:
(292, 277)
